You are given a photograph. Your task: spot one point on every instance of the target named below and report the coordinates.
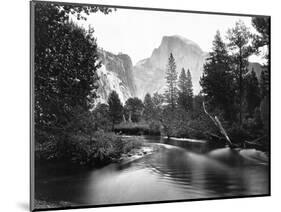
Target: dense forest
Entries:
(71, 126)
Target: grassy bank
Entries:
(98, 150)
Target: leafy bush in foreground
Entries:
(101, 149)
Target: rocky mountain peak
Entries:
(180, 41)
(150, 73)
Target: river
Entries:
(179, 170)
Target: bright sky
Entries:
(138, 32)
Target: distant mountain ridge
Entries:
(257, 69)
(150, 72)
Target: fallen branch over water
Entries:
(219, 125)
(208, 134)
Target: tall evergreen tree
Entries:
(217, 80)
(171, 79)
(182, 91)
(115, 108)
(149, 108)
(252, 92)
(182, 81)
(189, 87)
(239, 38)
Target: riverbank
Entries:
(187, 170)
(102, 149)
(57, 168)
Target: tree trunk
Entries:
(219, 125)
(124, 119)
(130, 117)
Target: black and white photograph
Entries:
(135, 105)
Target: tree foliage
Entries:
(182, 90)
(262, 25)
(149, 108)
(65, 65)
(115, 108)
(261, 40)
(217, 79)
(101, 117)
(133, 109)
(158, 99)
(189, 87)
(239, 43)
(252, 92)
(185, 90)
(264, 83)
(171, 80)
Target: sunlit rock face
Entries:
(150, 73)
(116, 73)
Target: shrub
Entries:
(238, 134)
(99, 149)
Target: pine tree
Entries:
(171, 79)
(182, 91)
(239, 38)
(149, 107)
(115, 108)
(252, 92)
(189, 90)
(217, 80)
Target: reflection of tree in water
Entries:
(225, 183)
(196, 173)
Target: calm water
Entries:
(179, 170)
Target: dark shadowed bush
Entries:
(98, 150)
(238, 134)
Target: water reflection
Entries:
(172, 173)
